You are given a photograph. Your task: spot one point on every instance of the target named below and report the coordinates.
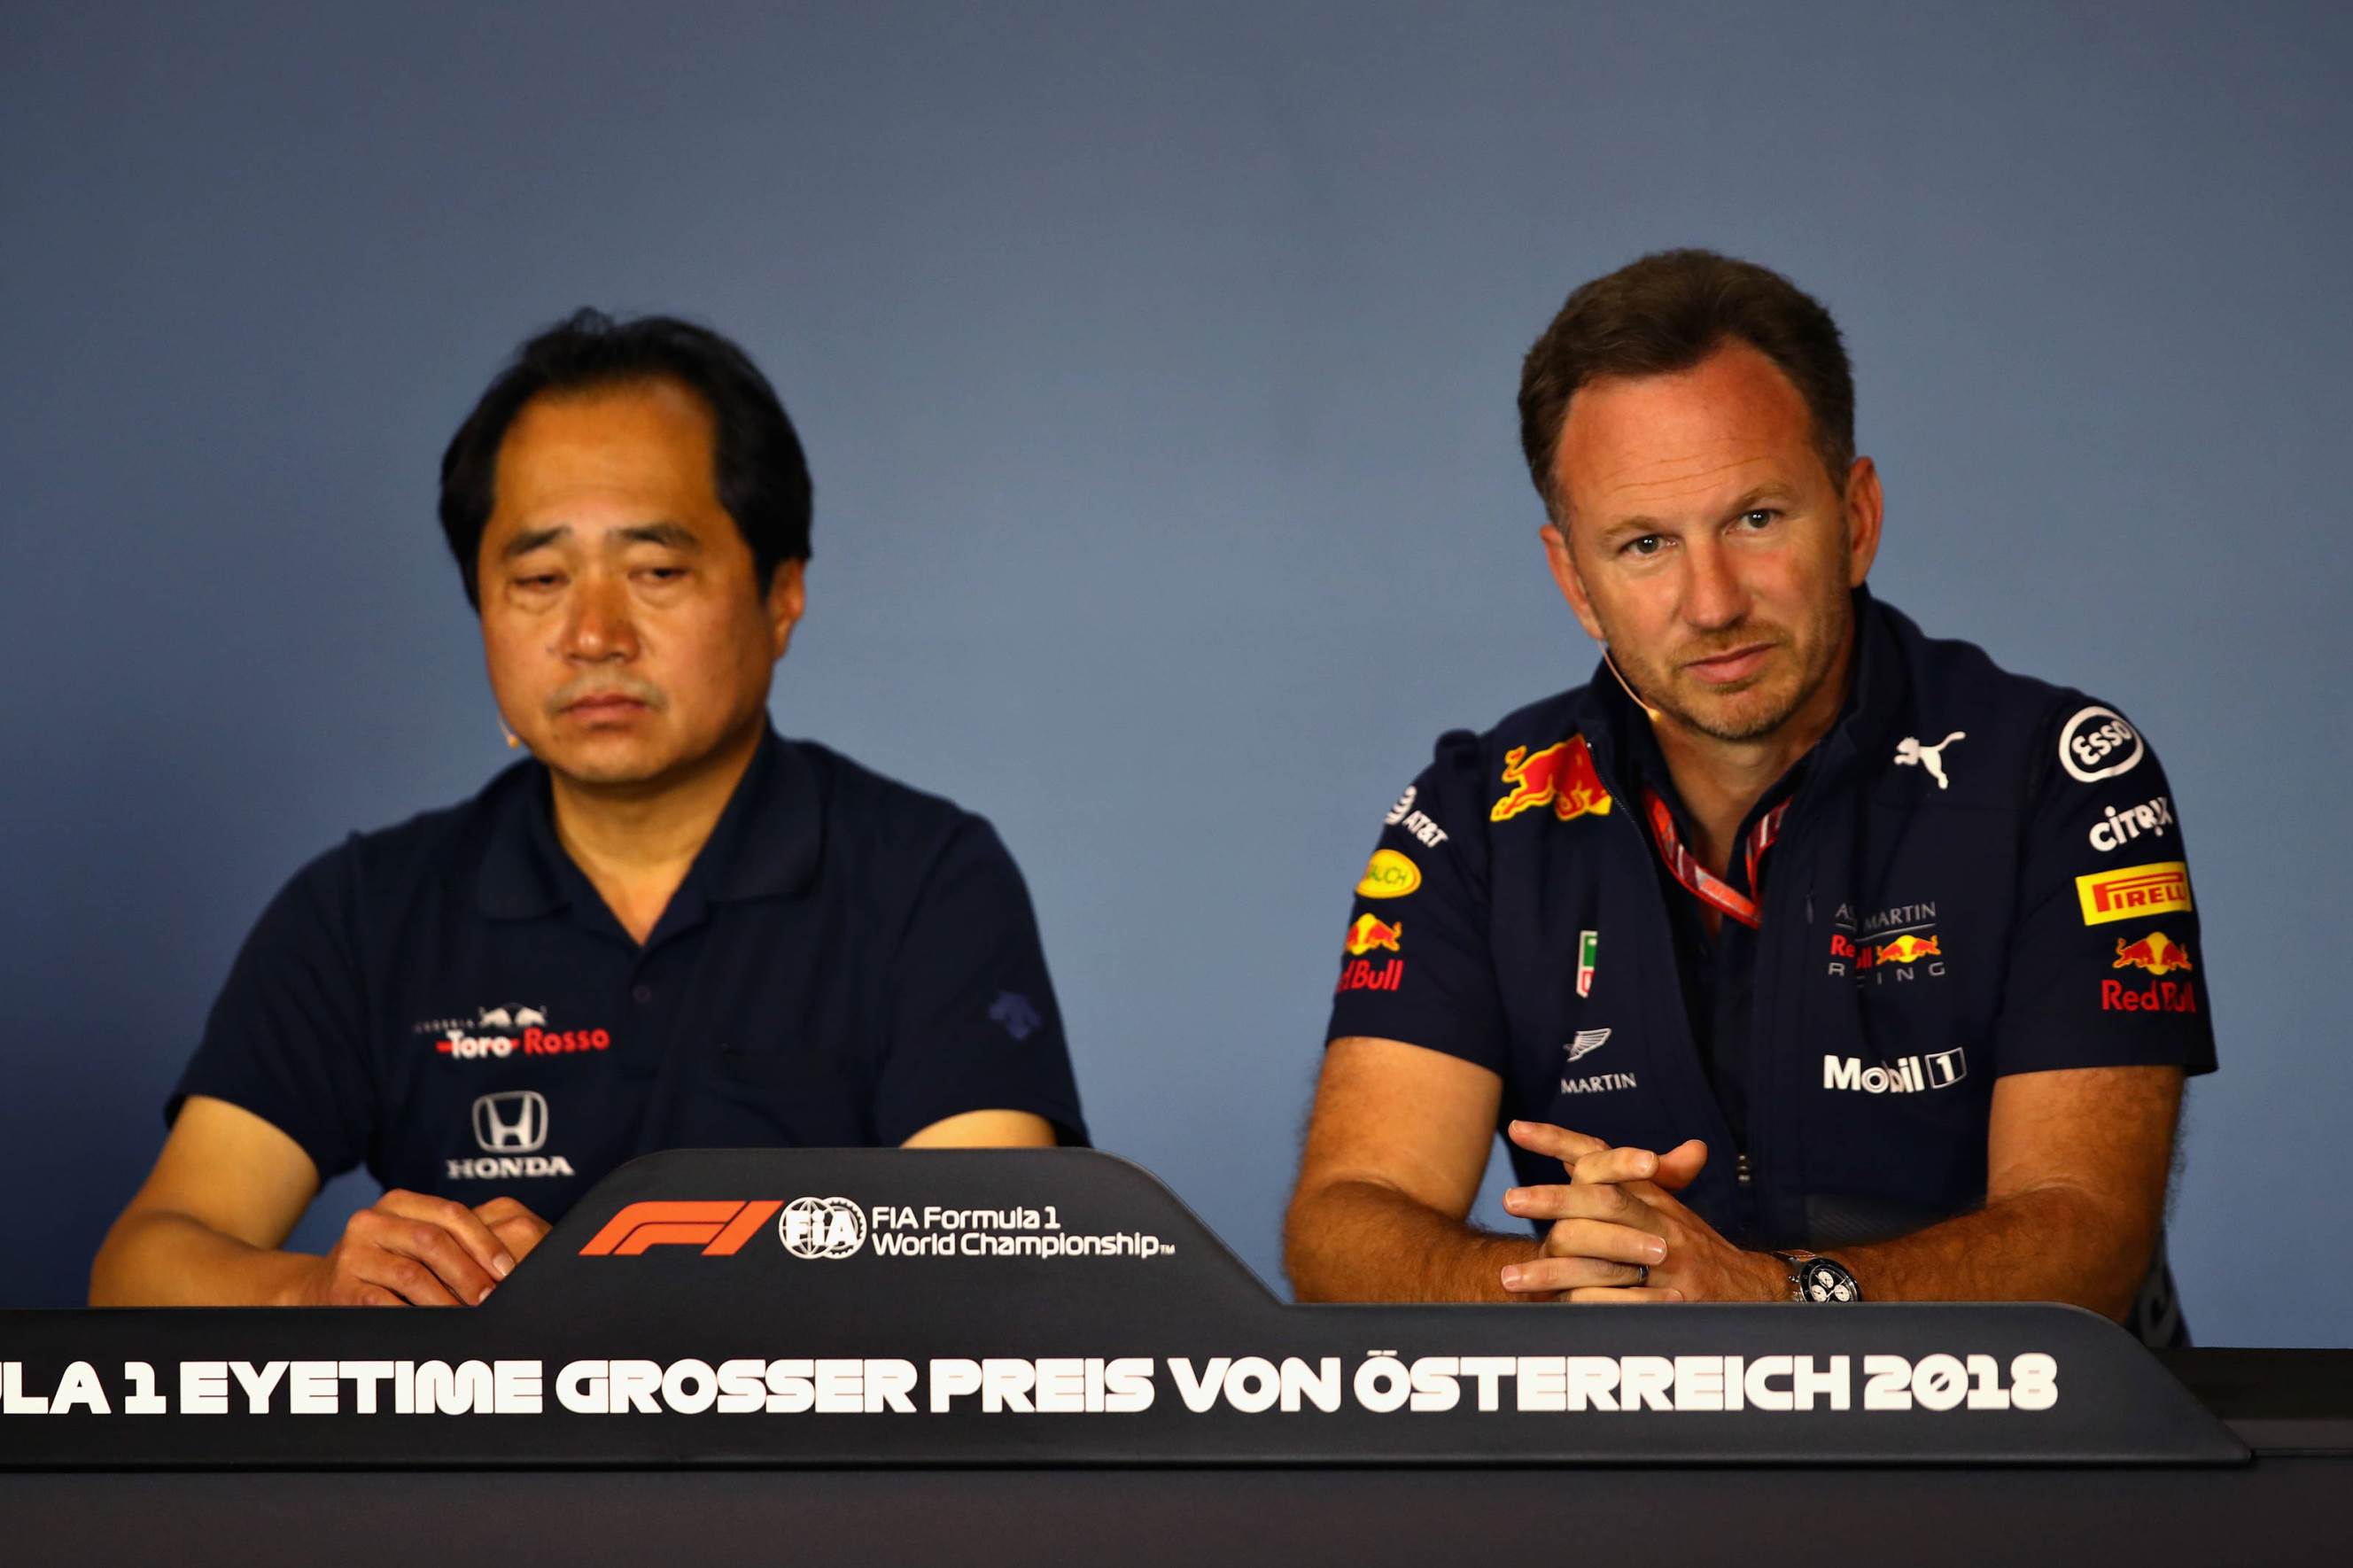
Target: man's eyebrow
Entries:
(1643, 523)
(676, 535)
(533, 538)
(1764, 492)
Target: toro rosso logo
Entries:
(1560, 776)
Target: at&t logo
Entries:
(822, 1228)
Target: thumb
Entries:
(1680, 1166)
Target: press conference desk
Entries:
(1072, 1369)
(2277, 1509)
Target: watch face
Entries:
(1824, 1280)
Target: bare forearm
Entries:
(1361, 1241)
(2051, 1244)
(161, 1259)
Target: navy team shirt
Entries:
(1972, 874)
(450, 1003)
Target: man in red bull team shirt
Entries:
(1799, 955)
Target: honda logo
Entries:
(514, 1123)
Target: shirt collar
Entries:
(765, 844)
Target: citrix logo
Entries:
(2121, 827)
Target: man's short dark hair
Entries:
(762, 477)
(1667, 313)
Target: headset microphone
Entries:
(1626, 687)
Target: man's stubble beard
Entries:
(1835, 622)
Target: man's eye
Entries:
(1648, 545)
(1758, 519)
(537, 579)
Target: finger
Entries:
(1604, 1238)
(429, 1245)
(1680, 1166)
(1550, 1276)
(522, 1236)
(1620, 1296)
(363, 1295)
(1543, 1138)
(405, 1278)
(1622, 1164)
(1559, 1202)
(460, 1222)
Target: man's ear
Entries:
(1865, 506)
(787, 597)
(1572, 585)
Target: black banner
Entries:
(1041, 1307)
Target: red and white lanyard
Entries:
(1703, 882)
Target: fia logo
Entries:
(822, 1228)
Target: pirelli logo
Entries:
(719, 1227)
(2133, 892)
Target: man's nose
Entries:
(599, 626)
(1714, 596)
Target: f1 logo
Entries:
(720, 1227)
(514, 1122)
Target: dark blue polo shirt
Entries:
(450, 1003)
(1918, 937)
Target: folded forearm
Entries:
(1361, 1241)
(166, 1260)
(2052, 1244)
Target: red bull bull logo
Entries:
(1560, 776)
(1371, 932)
(1901, 956)
(1907, 950)
(2157, 952)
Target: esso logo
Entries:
(2097, 743)
(822, 1228)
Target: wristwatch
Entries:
(1813, 1278)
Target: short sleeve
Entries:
(974, 1025)
(1415, 965)
(286, 1038)
(2106, 967)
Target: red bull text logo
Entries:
(2136, 892)
(1856, 955)
(1363, 974)
(1560, 776)
(1370, 932)
(2157, 952)
(2157, 996)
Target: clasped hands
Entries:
(1617, 1216)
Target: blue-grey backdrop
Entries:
(1157, 368)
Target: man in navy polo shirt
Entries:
(1828, 961)
(668, 927)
